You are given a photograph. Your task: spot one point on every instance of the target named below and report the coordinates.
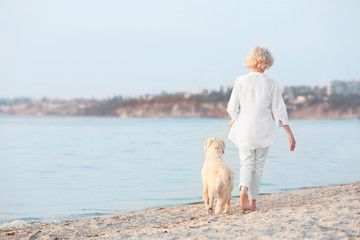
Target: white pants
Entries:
(252, 162)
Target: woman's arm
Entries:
(279, 112)
(291, 137)
(278, 107)
(233, 107)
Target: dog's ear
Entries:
(222, 145)
(207, 144)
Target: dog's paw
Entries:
(210, 211)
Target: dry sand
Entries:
(317, 213)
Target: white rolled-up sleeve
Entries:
(233, 107)
(278, 106)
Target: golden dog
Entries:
(217, 177)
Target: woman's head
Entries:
(259, 58)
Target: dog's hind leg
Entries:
(206, 196)
(229, 189)
(211, 203)
(227, 204)
(222, 199)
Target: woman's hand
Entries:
(231, 123)
(292, 142)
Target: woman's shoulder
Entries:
(270, 80)
(251, 76)
(243, 77)
(254, 75)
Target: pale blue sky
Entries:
(88, 48)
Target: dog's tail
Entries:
(230, 182)
(231, 179)
(226, 183)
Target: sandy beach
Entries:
(317, 213)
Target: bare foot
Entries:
(253, 205)
(244, 199)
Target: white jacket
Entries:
(254, 98)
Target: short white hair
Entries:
(259, 57)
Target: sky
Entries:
(99, 49)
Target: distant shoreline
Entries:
(301, 103)
(154, 117)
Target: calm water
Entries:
(56, 168)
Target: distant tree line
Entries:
(106, 107)
(215, 96)
(344, 102)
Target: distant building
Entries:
(300, 100)
(344, 88)
(291, 93)
(288, 93)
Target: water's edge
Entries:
(33, 222)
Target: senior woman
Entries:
(255, 100)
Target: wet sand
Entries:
(317, 213)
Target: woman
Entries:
(255, 101)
